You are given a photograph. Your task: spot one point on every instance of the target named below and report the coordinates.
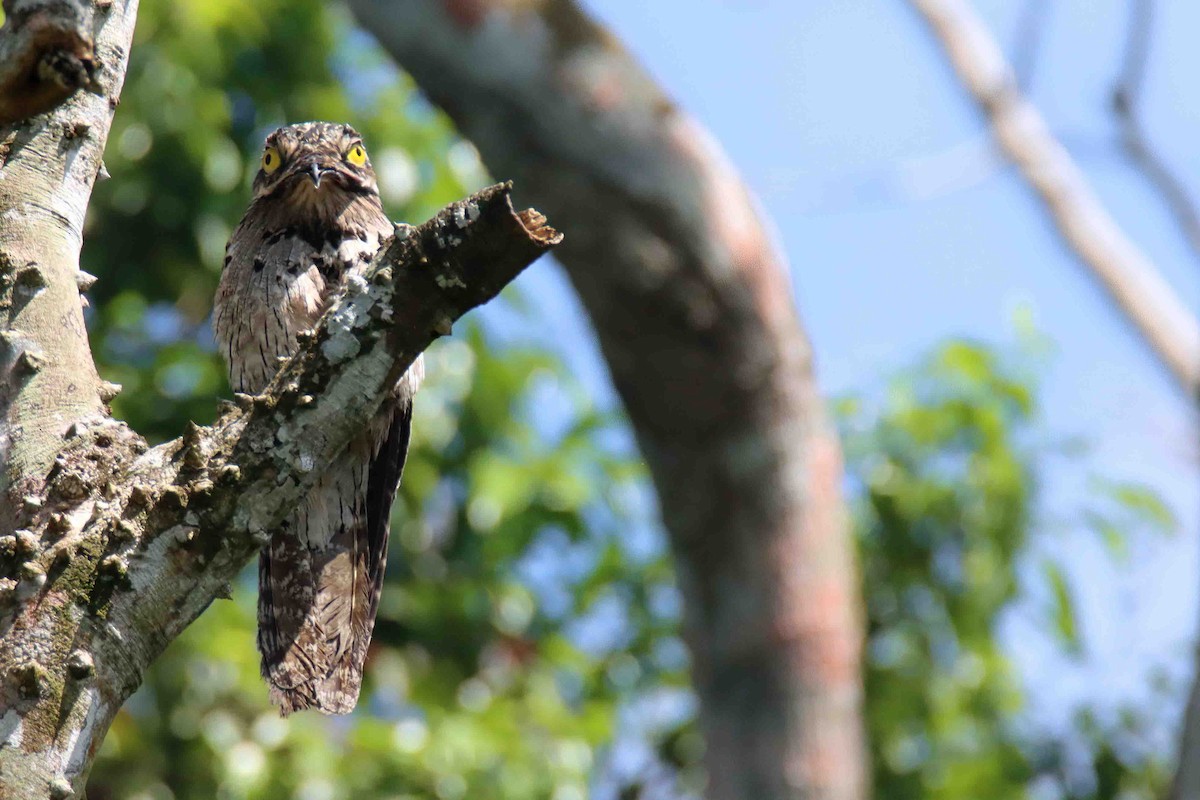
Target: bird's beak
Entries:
(314, 172)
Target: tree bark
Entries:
(47, 168)
(48, 165)
(1186, 782)
(109, 549)
(47, 53)
(695, 316)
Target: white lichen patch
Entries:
(258, 512)
(340, 346)
(33, 578)
(345, 396)
(154, 459)
(350, 315)
(82, 515)
(11, 729)
(82, 736)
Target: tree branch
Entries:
(695, 316)
(1127, 97)
(1186, 782)
(47, 53)
(1126, 103)
(127, 546)
(1115, 261)
(1092, 234)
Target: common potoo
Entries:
(315, 220)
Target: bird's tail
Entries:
(315, 610)
(320, 578)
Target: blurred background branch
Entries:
(1127, 101)
(1097, 239)
(691, 302)
(1130, 277)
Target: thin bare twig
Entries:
(1126, 103)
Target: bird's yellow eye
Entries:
(271, 160)
(356, 155)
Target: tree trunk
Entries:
(47, 168)
(695, 316)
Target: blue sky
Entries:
(903, 229)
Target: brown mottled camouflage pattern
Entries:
(315, 220)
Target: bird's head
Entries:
(315, 163)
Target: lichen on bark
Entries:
(126, 545)
(109, 548)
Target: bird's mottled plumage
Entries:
(316, 219)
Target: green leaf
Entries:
(1062, 609)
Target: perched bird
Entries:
(315, 220)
